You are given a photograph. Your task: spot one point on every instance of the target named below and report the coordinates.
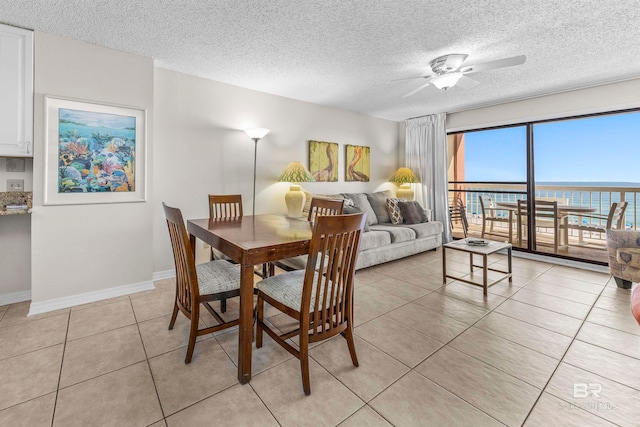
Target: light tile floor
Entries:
(559, 347)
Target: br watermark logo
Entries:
(583, 390)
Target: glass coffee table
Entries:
(484, 249)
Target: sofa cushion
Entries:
(378, 202)
(374, 239)
(352, 209)
(398, 233)
(412, 212)
(395, 215)
(426, 229)
(360, 200)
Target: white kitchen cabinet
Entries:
(16, 92)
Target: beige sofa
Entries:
(382, 241)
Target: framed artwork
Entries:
(323, 161)
(94, 153)
(358, 166)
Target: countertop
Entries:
(16, 198)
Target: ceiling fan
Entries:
(448, 71)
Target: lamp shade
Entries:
(296, 172)
(256, 133)
(445, 81)
(404, 176)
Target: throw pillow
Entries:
(379, 205)
(395, 215)
(412, 212)
(351, 209)
(361, 201)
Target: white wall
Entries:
(88, 248)
(200, 147)
(615, 96)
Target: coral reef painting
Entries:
(359, 158)
(323, 161)
(96, 152)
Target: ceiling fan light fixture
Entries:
(446, 81)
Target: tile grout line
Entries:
(560, 362)
(64, 349)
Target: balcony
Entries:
(590, 246)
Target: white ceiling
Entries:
(344, 54)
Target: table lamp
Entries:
(404, 177)
(295, 198)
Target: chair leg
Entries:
(259, 315)
(304, 361)
(484, 225)
(173, 316)
(193, 334)
(348, 334)
(223, 305)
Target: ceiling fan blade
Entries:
(410, 78)
(492, 65)
(453, 62)
(413, 92)
(467, 82)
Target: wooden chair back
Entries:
(328, 279)
(225, 206)
(325, 207)
(485, 204)
(187, 293)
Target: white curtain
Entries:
(426, 154)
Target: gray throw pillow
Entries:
(360, 200)
(351, 209)
(378, 202)
(412, 212)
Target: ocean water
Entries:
(584, 194)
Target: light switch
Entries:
(15, 185)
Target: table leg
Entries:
(444, 266)
(509, 268)
(471, 262)
(245, 335)
(484, 275)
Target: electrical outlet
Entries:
(15, 185)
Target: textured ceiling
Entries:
(344, 53)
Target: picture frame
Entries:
(323, 161)
(94, 153)
(357, 163)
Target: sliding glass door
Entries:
(550, 187)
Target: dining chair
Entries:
(320, 298)
(319, 206)
(613, 220)
(490, 215)
(198, 284)
(458, 213)
(546, 216)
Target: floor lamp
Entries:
(256, 134)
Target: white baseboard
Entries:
(14, 297)
(166, 274)
(70, 301)
(562, 261)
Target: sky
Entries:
(594, 149)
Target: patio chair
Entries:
(546, 216)
(624, 256)
(490, 215)
(320, 298)
(458, 213)
(613, 220)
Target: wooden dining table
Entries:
(251, 241)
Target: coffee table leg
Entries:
(471, 262)
(444, 266)
(484, 275)
(509, 264)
